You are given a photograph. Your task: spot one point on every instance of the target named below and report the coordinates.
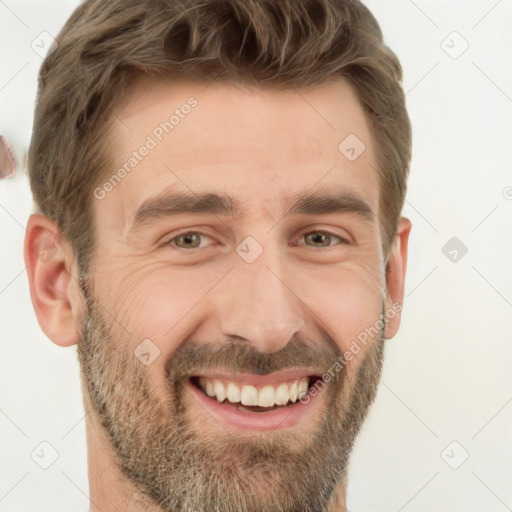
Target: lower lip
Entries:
(247, 420)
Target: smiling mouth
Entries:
(258, 398)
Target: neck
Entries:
(339, 499)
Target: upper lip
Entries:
(249, 379)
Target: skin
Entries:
(296, 305)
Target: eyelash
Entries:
(343, 241)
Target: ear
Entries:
(395, 276)
(52, 277)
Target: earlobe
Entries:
(49, 262)
(395, 277)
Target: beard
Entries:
(179, 466)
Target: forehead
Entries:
(263, 145)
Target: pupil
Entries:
(188, 239)
(317, 237)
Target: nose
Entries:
(257, 303)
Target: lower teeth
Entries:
(256, 408)
(242, 408)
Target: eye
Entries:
(189, 240)
(194, 240)
(322, 239)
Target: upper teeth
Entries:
(267, 396)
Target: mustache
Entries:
(242, 357)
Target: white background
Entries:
(447, 373)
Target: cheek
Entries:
(347, 301)
(152, 300)
(170, 299)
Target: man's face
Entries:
(188, 304)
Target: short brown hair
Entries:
(106, 44)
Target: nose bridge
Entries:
(257, 303)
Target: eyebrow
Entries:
(172, 203)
